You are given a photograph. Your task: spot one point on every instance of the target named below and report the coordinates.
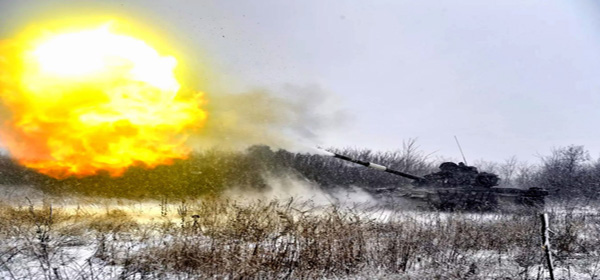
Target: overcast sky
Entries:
(511, 77)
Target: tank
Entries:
(456, 187)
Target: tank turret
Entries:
(452, 175)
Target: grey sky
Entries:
(513, 77)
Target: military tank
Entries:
(456, 187)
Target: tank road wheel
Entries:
(472, 201)
(448, 201)
(488, 201)
(447, 206)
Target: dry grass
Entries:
(284, 239)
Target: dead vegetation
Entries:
(285, 239)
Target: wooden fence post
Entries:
(546, 243)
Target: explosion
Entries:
(81, 101)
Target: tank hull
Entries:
(465, 198)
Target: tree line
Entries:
(567, 172)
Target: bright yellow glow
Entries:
(93, 99)
(89, 52)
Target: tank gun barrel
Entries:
(378, 167)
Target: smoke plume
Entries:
(293, 118)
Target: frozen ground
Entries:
(45, 237)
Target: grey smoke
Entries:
(292, 118)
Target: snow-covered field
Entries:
(45, 237)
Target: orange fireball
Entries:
(81, 101)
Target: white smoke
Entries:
(285, 187)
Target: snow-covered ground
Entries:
(46, 237)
